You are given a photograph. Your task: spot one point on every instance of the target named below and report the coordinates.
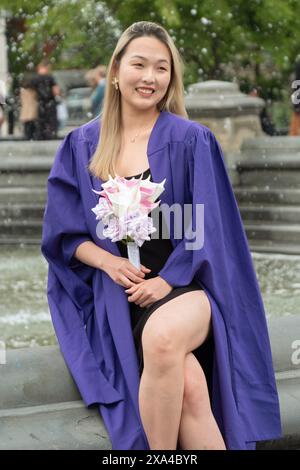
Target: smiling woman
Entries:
(144, 90)
(197, 320)
(142, 83)
(147, 76)
(146, 59)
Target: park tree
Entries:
(253, 42)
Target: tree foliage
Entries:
(255, 42)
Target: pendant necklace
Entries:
(132, 139)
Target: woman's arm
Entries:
(120, 269)
(89, 253)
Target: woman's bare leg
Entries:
(174, 329)
(160, 402)
(198, 428)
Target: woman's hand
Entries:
(122, 271)
(149, 291)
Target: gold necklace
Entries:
(132, 140)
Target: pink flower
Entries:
(125, 205)
(125, 195)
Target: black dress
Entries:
(153, 254)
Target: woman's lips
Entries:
(144, 94)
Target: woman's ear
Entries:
(115, 70)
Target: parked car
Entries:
(78, 102)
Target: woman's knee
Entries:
(160, 337)
(161, 347)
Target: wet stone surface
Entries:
(24, 315)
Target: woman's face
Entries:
(145, 64)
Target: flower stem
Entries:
(126, 240)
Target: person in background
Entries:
(294, 129)
(9, 104)
(265, 120)
(29, 109)
(96, 78)
(2, 101)
(1, 115)
(47, 93)
(11, 107)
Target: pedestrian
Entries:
(266, 122)
(2, 103)
(29, 109)
(96, 78)
(47, 90)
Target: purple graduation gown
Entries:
(91, 313)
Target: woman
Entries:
(179, 356)
(29, 109)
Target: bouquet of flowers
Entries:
(124, 208)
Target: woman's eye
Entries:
(161, 68)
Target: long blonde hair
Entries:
(104, 159)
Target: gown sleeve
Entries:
(70, 292)
(225, 247)
(64, 220)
